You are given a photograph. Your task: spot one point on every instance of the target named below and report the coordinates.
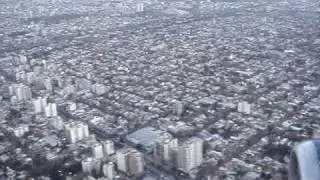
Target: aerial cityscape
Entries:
(156, 89)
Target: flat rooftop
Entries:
(144, 137)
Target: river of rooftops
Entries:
(207, 56)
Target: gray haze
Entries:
(156, 89)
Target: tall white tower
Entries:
(87, 165)
(136, 163)
(190, 154)
(109, 170)
(140, 7)
(85, 129)
(97, 151)
(51, 110)
(130, 161)
(71, 133)
(26, 92)
(43, 103)
(121, 156)
(37, 105)
(76, 131)
(244, 107)
(108, 147)
(22, 92)
(165, 148)
(79, 129)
